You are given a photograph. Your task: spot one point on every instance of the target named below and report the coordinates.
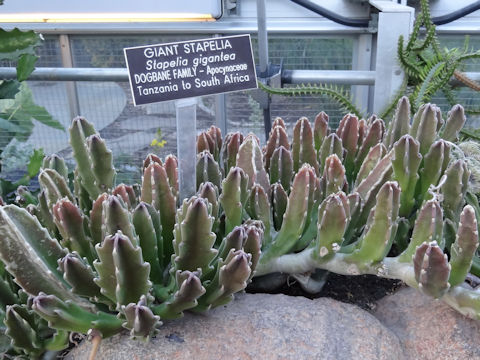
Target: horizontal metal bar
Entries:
(120, 74)
(346, 77)
(341, 77)
(70, 74)
(464, 28)
(315, 25)
(280, 26)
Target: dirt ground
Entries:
(362, 290)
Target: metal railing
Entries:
(340, 77)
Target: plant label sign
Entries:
(190, 68)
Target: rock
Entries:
(263, 327)
(428, 328)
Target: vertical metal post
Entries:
(221, 113)
(393, 20)
(186, 110)
(263, 59)
(221, 110)
(262, 38)
(362, 60)
(71, 87)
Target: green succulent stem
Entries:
(337, 94)
(463, 299)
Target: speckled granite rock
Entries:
(428, 328)
(263, 327)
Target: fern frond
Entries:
(473, 55)
(441, 79)
(472, 111)
(409, 66)
(425, 90)
(429, 37)
(449, 95)
(414, 35)
(335, 93)
(429, 25)
(470, 134)
(466, 43)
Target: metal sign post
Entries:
(185, 70)
(186, 110)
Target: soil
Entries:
(362, 290)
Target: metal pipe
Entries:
(70, 74)
(227, 27)
(330, 15)
(341, 77)
(221, 113)
(262, 38)
(221, 109)
(71, 87)
(457, 14)
(263, 60)
(186, 114)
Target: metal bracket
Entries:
(273, 78)
(230, 7)
(373, 24)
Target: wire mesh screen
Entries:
(49, 94)
(296, 52)
(132, 132)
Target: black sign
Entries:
(190, 68)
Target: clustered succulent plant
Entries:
(22, 331)
(104, 258)
(364, 199)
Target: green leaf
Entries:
(8, 126)
(22, 109)
(15, 43)
(25, 99)
(25, 66)
(6, 187)
(58, 341)
(35, 162)
(6, 104)
(9, 88)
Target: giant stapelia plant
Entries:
(97, 257)
(364, 199)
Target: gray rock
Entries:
(428, 328)
(262, 327)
